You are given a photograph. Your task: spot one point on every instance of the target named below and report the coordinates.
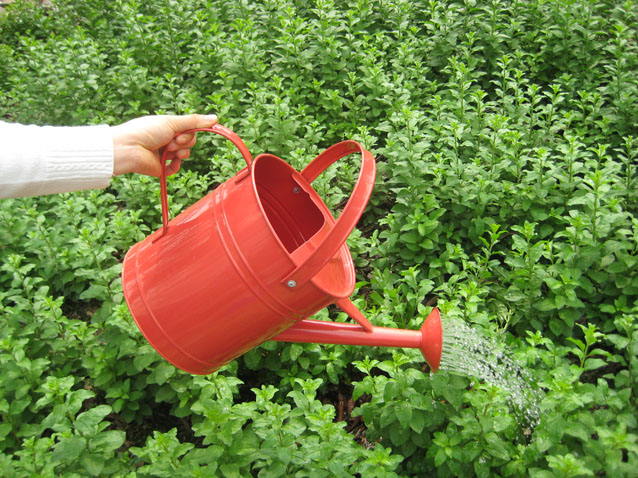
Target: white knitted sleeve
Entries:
(37, 160)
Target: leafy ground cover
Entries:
(507, 194)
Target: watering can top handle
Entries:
(350, 214)
(220, 130)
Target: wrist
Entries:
(125, 153)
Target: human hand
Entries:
(138, 143)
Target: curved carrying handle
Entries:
(350, 214)
(220, 130)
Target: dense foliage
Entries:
(506, 135)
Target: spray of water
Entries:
(469, 352)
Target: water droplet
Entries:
(470, 352)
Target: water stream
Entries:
(470, 352)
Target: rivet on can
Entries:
(292, 283)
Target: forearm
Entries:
(38, 160)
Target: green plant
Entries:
(504, 134)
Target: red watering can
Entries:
(250, 261)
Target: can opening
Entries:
(292, 213)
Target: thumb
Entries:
(186, 122)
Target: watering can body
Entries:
(250, 260)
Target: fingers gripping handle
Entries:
(220, 130)
(350, 214)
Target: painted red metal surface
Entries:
(254, 257)
(428, 339)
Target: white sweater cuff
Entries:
(37, 160)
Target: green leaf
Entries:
(539, 473)
(107, 441)
(94, 464)
(230, 471)
(411, 237)
(69, 449)
(556, 428)
(252, 358)
(616, 267)
(417, 422)
(143, 360)
(304, 362)
(404, 413)
(557, 326)
(161, 373)
(560, 301)
(440, 457)
(390, 391)
(87, 422)
(398, 435)
(77, 398)
(543, 443)
(515, 295)
(5, 429)
(594, 363)
(295, 351)
(94, 291)
(545, 305)
(496, 447)
(57, 419)
(387, 416)
(578, 430)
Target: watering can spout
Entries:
(429, 339)
(432, 339)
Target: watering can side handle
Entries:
(349, 216)
(220, 130)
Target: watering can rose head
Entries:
(250, 261)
